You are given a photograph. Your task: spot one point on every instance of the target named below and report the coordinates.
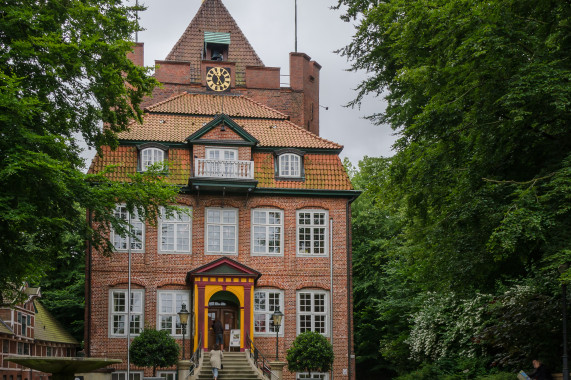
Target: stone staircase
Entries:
(236, 367)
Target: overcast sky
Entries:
(269, 26)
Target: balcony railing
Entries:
(224, 169)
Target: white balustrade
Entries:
(223, 169)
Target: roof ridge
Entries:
(266, 107)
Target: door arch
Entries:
(225, 307)
(217, 279)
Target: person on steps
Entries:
(218, 333)
(216, 357)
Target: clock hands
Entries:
(218, 79)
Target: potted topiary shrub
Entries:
(156, 349)
(310, 352)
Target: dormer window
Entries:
(289, 164)
(151, 154)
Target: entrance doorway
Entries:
(225, 307)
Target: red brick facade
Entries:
(313, 260)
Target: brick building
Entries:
(28, 329)
(268, 199)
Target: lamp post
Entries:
(562, 269)
(277, 319)
(183, 316)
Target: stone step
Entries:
(236, 367)
(228, 376)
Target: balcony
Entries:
(223, 169)
(226, 176)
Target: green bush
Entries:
(156, 349)
(310, 352)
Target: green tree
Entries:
(63, 75)
(63, 290)
(156, 349)
(310, 352)
(383, 293)
(478, 93)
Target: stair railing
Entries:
(195, 359)
(259, 359)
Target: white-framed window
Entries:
(312, 232)
(118, 312)
(265, 303)
(221, 154)
(170, 303)
(137, 227)
(49, 351)
(312, 376)
(175, 232)
(267, 232)
(122, 375)
(151, 156)
(221, 230)
(312, 313)
(222, 162)
(289, 165)
(167, 375)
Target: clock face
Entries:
(218, 78)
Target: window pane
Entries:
(229, 217)
(260, 323)
(119, 302)
(213, 238)
(259, 239)
(119, 324)
(319, 323)
(135, 324)
(136, 302)
(259, 217)
(213, 216)
(259, 301)
(304, 323)
(229, 235)
(166, 302)
(166, 323)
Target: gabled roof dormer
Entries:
(223, 123)
(222, 155)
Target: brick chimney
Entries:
(304, 77)
(137, 55)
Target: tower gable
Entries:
(213, 19)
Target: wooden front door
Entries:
(228, 317)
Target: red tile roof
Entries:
(186, 113)
(175, 119)
(124, 158)
(213, 16)
(322, 171)
(204, 104)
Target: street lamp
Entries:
(277, 319)
(562, 269)
(183, 317)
